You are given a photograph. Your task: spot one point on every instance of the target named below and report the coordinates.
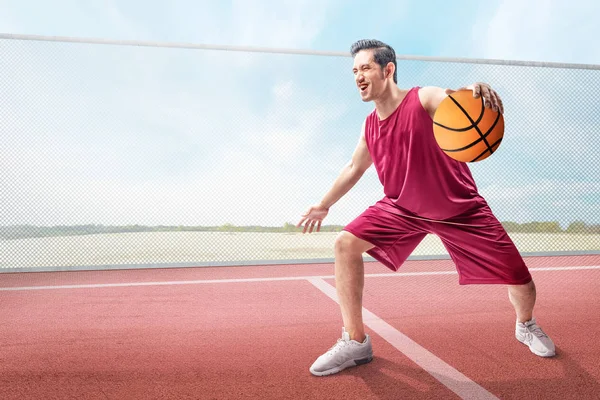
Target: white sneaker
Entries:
(345, 353)
(533, 336)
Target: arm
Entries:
(348, 177)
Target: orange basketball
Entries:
(465, 130)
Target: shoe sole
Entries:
(347, 364)
(547, 354)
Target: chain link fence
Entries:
(120, 156)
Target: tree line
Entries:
(31, 231)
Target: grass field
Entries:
(206, 248)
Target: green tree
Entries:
(287, 227)
(577, 227)
(227, 228)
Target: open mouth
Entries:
(363, 87)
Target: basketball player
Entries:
(425, 192)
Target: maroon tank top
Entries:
(418, 178)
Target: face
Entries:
(369, 76)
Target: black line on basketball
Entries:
(471, 119)
(485, 151)
(480, 139)
(453, 129)
(473, 123)
(479, 156)
(495, 143)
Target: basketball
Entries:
(465, 129)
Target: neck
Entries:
(389, 101)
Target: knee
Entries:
(526, 289)
(346, 244)
(529, 287)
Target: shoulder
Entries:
(431, 97)
(372, 114)
(369, 119)
(368, 124)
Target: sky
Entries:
(103, 134)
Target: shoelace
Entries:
(537, 331)
(337, 346)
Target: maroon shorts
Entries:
(476, 241)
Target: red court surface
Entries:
(253, 332)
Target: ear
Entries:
(389, 69)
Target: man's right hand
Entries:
(314, 216)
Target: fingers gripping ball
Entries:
(466, 130)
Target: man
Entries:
(425, 192)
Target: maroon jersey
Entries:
(417, 177)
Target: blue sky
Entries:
(118, 135)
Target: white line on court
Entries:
(464, 387)
(273, 279)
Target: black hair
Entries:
(383, 53)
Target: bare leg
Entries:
(349, 280)
(522, 298)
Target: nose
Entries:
(359, 77)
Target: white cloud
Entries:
(285, 23)
(284, 90)
(540, 30)
(116, 135)
(104, 134)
